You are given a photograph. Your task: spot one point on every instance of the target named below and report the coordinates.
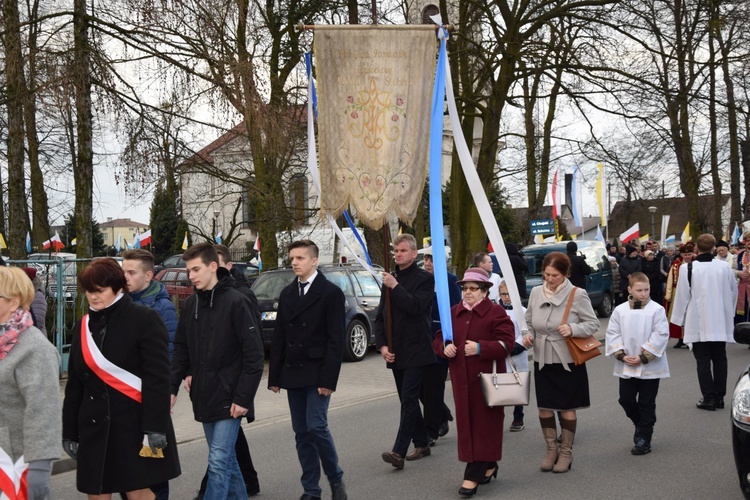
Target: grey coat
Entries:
(543, 316)
(30, 423)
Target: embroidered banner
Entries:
(374, 91)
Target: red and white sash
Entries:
(12, 478)
(112, 375)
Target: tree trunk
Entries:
(39, 204)
(83, 167)
(733, 132)
(15, 86)
(718, 229)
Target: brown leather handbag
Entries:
(581, 349)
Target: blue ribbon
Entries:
(356, 235)
(436, 195)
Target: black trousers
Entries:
(411, 424)
(711, 363)
(477, 471)
(638, 399)
(433, 398)
(249, 474)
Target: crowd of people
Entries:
(131, 354)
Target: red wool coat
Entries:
(480, 429)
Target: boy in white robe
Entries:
(637, 337)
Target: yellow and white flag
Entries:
(644, 238)
(686, 234)
(2, 242)
(601, 193)
(185, 242)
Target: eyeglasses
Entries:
(504, 294)
(472, 288)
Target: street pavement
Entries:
(692, 455)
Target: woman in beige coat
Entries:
(560, 385)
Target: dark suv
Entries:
(361, 291)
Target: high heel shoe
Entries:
(487, 479)
(468, 492)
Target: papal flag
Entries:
(601, 193)
(185, 242)
(374, 91)
(685, 234)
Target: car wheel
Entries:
(605, 308)
(356, 341)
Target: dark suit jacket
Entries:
(308, 341)
(579, 269)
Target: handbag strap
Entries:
(570, 304)
(508, 358)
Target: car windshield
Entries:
(534, 261)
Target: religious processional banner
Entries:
(374, 91)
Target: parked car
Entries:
(48, 273)
(177, 282)
(741, 416)
(361, 291)
(598, 283)
(175, 261)
(249, 270)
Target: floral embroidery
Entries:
(369, 112)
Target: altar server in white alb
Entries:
(704, 305)
(637, 337)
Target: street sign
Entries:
(542, 226)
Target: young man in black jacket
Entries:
(306, 354)
(217, 342)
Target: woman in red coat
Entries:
(478, 324)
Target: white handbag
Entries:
(505, 389)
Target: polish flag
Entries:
(145, 238)
(629, 234)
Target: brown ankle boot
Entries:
(549, 428)
(565, 460)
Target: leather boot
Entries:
(549, 428)
(565, 460)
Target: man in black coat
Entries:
(578, 267)
(411, 291)
(306, 354)
(217, 342)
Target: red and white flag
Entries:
(12, 477)
(629, 234)
(556, 198)
(145, 238)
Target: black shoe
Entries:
(641, 447)
(338, 491)
(443, 429)
(706, 404)
(467, 492)
(307, 496)
(679, 344)
(720, 404)
(431, 442)
(487, 479)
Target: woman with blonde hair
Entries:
(30, 427)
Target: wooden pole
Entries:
(386, 290)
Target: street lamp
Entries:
(653, 211)
(216, 216)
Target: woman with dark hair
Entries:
(560, 385)
(478, 325)
(116, 420)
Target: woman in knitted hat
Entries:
(478, 325)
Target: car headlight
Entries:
(741, 401)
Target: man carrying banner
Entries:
(411, 306)
(217, 343)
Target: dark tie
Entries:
(302, 288)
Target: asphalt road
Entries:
(691, 458)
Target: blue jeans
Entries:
(224, 476)
(315, 446)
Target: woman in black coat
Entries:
(651, 267)
(629, 264)
(108, 427)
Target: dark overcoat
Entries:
(411, 311)
(308, 339)
(480, 429)
(108, 425)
